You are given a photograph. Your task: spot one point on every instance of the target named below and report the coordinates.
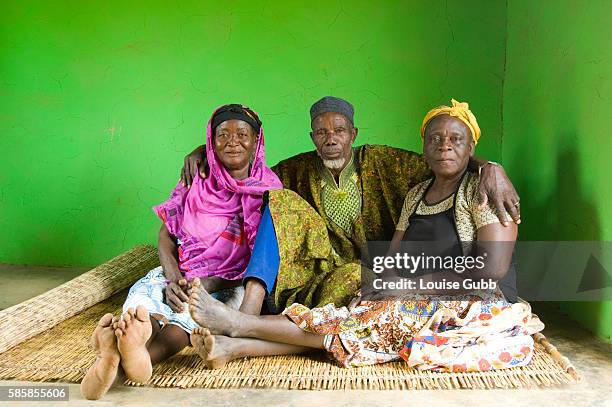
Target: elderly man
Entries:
(336, 198)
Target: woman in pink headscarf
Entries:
(208, 231)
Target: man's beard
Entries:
(334, 164)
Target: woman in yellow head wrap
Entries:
(446, 207)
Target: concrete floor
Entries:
(591, 356)
(32, 281)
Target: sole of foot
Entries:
(133, 331)
(101, 375)
(212, 349)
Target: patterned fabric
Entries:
(491, 335)
(385, 175)
(319, 260)
(342, 201)
(310, 272)
(469, 334)
(468, 217)
(216, 219)
(149, 292)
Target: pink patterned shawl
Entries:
(216, 220)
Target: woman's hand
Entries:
(355, 301)
(177, 293)
(495, 186)
(194, 162)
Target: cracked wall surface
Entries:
(102, 100)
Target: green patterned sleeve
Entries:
(387, 174)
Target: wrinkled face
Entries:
(235, 142)
(448, 145)
(333, 135)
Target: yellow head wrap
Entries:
(461, 111)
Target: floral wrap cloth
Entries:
(472, 333)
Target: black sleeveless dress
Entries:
(442, 229)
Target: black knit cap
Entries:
(235, 111)
(332, 104)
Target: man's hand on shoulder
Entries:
(496, 187)
(194, 162)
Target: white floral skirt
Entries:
(149, 292)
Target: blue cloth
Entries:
(265, 258)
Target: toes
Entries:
(197, 331)
(192, 339)
(196, 339)
(118, 333)
(195, 283)
(121, 324)
(205, 332)
(141, 313)
(106, 320)
(209, 343)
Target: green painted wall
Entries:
(100, 102)
(556, 120)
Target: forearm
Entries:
(199, 151)
(168, 255)
(494, 248)
(496, 258)
(396, 243)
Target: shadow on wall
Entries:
(577, 218)
(567, 215)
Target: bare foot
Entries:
(103, 372)
(215, 350)
(211, 313)
(133, 331)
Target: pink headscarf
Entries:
(216, 220)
